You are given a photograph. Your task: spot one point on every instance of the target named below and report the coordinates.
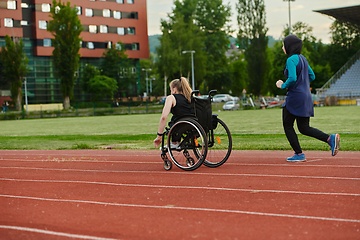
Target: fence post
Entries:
(94, 109)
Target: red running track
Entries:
(114, 194)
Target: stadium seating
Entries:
(348, 85)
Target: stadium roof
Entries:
(348, 14)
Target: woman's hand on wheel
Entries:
(157, 141)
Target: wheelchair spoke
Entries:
(192, 140)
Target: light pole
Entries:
(26, 97)
(151, 79)
(146, 70)
(289, 14)
(192, 67)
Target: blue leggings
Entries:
(304, 128)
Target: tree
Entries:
(212, 17)
(89, 73)
(237, 65)
(178, 36)
(66, 28)
(345, 42)
(14, 64)
(115, 64)
(102, 86)
(252, 38)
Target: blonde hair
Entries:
(183, 86)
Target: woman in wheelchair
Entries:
(179, 104)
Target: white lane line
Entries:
(77, 160)
(62, 234)
(180, 187)
(302, 164)
(183, 173)
(185, 208)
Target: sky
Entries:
(277, 15)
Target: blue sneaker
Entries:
(297, 158)
(334, 143)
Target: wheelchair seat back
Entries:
(203, 112)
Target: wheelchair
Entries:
(202, 138)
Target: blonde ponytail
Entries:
(182, 86)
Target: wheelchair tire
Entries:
(219, 145)
(191, 151)
(167, 165)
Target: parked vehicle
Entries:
(236, 99)
(162, 100)
(231, 105)
(202, 96)
(221, 98)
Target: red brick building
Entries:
(104, 22)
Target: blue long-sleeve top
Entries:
(298, 97)
(291, 64)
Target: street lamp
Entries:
(289, 14)
(146, 70)
(26, 97)
(151, 79)
(192, 67)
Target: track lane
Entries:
(128, 198)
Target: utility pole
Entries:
(289, 14)
(146, 70)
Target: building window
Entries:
(11, 5)
(117, 15)
(118, 46)
(8, 22)
(131, 31)
(130, 1)
(103, 29)
(23, 23)
(47, 42)
(106, 13)
(109, 44)
(93, 28)
(90, 45)
(135, 46)
(42, 24)
(89, 12)
(78, 10)
(24, 5)
(120, 1)
(45, 7)
(121, 31)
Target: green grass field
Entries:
(251, 129)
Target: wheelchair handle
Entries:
(212, 92)
(196, 92)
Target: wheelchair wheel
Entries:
(219, 145)
(187, 144)
(167, 165)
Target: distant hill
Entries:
(154, 41)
